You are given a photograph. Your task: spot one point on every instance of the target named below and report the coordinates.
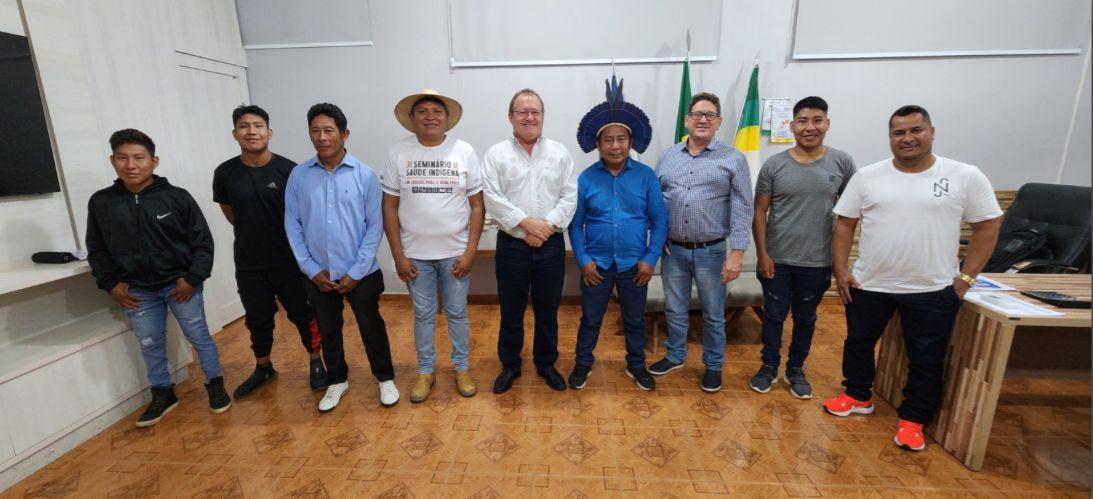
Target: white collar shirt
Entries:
(518, 185)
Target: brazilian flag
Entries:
(684, 101)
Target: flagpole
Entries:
(688, 45)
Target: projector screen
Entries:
(850, 29)
(553, 32)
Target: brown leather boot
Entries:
(465, 383)
(422, 387)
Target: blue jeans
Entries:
(927, 320)
(703, 266)
(797, 288)
(423, 293)
(594, 301)
(149, 322)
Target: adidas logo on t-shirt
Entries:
(272, 185)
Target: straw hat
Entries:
(403, 108)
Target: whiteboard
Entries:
(331, 23)
(849, 29)
(556, 32)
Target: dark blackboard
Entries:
(26, 154)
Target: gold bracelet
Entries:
(966, 278)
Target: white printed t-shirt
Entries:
(433, 184)
(910, 222)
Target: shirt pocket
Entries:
(631, 201)
(348, 190)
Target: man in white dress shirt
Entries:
(531, 191)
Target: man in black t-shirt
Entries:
(251, 191)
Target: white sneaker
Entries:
(388, 393)
(333, 395)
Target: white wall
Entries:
(1009, 115)
(173, 70)
(41, 220)
(1078, 162)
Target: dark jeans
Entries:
(797, 288)
(258, 289)
(364, 301)
(594, 301)
(521, 270)
(927, 321)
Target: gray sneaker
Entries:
(767, 375)
(798, 384)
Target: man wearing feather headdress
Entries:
(617, 232)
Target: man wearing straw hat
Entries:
(433, 214)
(617, 232)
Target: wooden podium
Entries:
(976, 362)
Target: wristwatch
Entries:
(966, 278)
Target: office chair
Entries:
(1062, 214)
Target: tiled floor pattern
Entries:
(608, 440)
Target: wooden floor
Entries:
(608, 440)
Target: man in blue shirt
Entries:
(617, 232)
(334, 224)
(707, 187)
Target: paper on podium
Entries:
(985, 284)
(1009, 305)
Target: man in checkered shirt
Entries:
(707, 187)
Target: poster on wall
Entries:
(777, 116)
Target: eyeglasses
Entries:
(524, 113)
(698, 115)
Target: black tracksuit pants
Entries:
(260, 291)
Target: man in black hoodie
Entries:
(150, 248)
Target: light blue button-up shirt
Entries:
(619, 219)
(333, 219)
(708, 196)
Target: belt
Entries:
(698, 245)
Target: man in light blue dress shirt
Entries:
(334, 226)
(707, 187)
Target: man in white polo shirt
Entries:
(911, 207)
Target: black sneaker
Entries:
(218, 397)
(664, 366)
(641, 375)
(711, 381)
(263, 373)
(798, 383)
(766, 376)
(579, 376)
(163, 400)
(317, 374)
(504, 380)
(552, 377)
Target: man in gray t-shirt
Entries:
(794, 196)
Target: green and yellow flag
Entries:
(747, 132)
(684, 101)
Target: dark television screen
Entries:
(26, 155)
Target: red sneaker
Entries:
(909, 436)
(845, 405)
